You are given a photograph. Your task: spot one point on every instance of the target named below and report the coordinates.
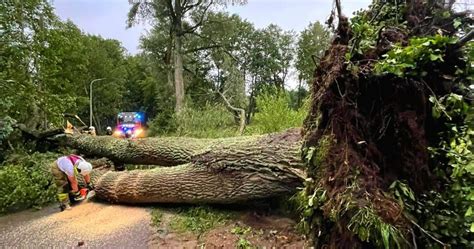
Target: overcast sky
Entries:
(107, 17)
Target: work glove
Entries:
(76, 196)
(90, 186)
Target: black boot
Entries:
(64, 206)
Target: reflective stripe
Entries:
(75, 159)
(76, 173)
(63, 197)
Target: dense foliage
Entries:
(448, 213)
(205, 122)
(47, 66)
(313, 41)
(275, 114)
(25, 181)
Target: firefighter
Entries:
(65, 171)
(108, 130)
(92, 131)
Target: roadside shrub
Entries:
(25, 182)
(209, 122)
(274, 114)
(163, 123)
(6, 128)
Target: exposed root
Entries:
(379, 127)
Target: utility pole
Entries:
(90, 100)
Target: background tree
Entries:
(181, 18)
(106, 59)
(270, 58)
(226, 54)
(312, 43)
(225, 63)
(25, 33)
(47, 65)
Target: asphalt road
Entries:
(91, 225)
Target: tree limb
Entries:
(187, 7)
(201, 48)
(172, 12)
(240, 110)
(36, 134)
(338, 7)
(199, 23)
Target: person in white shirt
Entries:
(65, 171)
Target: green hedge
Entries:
(25, 182)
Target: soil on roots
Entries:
(378, 127)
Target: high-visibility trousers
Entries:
(62, 183)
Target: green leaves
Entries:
(5, 128)
(309, 154)
(274, 113)
(25, 182)
(23, 39)
(47, 64)
(205, 122)
(457, 23)
(238, 230)
(367, 25)
(312, 43)
(402, 191)
(435, 57)
(371, 228)
(449, 214)
(410, 60)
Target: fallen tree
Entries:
(221, 171)
(388, 100)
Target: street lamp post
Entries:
(90, 100)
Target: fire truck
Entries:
(130, 125)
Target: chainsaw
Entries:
(86, 194)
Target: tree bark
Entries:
(177, 34)
(208, 170)
(222, 182)
(178, 75)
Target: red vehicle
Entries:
(130, 125)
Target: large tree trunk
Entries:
(178, 55)
(199, 183)
(178, 75)
(208, 170)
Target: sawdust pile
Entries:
(88, 224)
(104, 219)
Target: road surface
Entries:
(88, 225)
